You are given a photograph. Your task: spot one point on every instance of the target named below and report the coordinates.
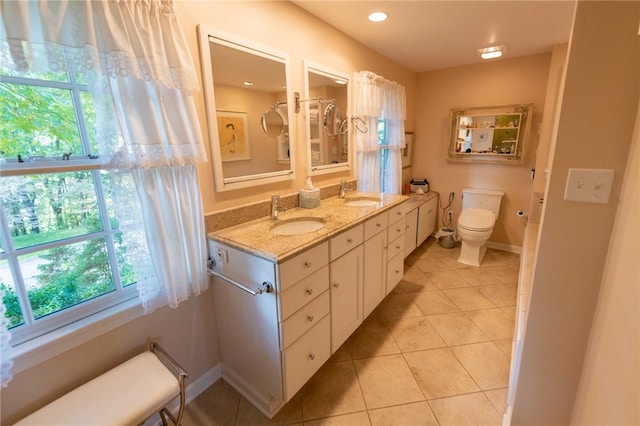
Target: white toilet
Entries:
(480, 208)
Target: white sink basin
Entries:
(297, 226)
(362, 201)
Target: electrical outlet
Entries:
(223, 255)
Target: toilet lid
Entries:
(477, 219)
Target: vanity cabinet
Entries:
(395, 247)
(426, 220)
(375, 261)
(410, 232)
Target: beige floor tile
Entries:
(418, 413)
(487, 364)
(216, 406)
(509, 310)
(415, 280)
(506, 274)
(430, 264)
(387, 381)
(500, 294)
(462, 410)
(342, 354)
(452, 262)
(333, 390)
(354, 419)
(457, 329)
(372, 339)
(494, 322)
(468, 299)
(447, 279)
(416, 334)
(505, 257)
(498, 398)
(439, 373)
(393, 308)
(506, 346)
(477, 276)
(291, 413)
(433, 302)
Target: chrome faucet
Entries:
(344, 189)
(276, 207)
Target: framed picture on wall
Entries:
(233, 136)
(407, 152)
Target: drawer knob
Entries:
(406, 227)
(379, 225)
(312, 356)
(397, 247)
(310, 318)
(336, 285)
(309, 291)
(307, 264)
(397, 271)
(350, 240)
(399, 213)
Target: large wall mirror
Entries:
(489, 134)
(327, 109)
(246, 88)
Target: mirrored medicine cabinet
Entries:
(494, 134)
(326, 112)
(248, 97)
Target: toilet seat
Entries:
(476, 219)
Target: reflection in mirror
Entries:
(489, 134)
(272, 123)
(327, 131)
(242, 80)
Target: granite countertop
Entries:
(416, 200)
(255, 237)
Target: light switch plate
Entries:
(589, 185)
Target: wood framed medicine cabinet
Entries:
(493, 134)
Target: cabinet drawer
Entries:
(396, 229)
(397, 212)
(304, 319)
(395, 271)
(302, 265)
(375, 225)
(342, 243)
(303, 292)
(396, 246)
(305, 357)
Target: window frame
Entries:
(33, 328)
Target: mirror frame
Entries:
(525, 111)
(310, 66)
(207, 35)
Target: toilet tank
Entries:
(482, 199)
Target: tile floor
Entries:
(435, 352)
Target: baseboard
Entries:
(504, 247)
(192, 390)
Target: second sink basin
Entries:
(297, 226)
(362, 201)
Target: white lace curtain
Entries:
(377, 98)
(136, 57)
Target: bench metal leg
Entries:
(182, 375)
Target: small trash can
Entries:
(447, 237)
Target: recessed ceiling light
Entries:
(248, 83)
(378, 17)
(492, 52)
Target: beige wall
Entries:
(508, 81)
(609, 391)
(189, 332)
(283, 26)
(595, 128)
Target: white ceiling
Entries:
(425, 35)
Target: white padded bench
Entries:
(128, 394)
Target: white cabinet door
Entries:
(426, 220)
(410, 232)
(375, 265)
(346, 295)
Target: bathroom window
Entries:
(383, 154)
(62, 254)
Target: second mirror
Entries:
(327, 130)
